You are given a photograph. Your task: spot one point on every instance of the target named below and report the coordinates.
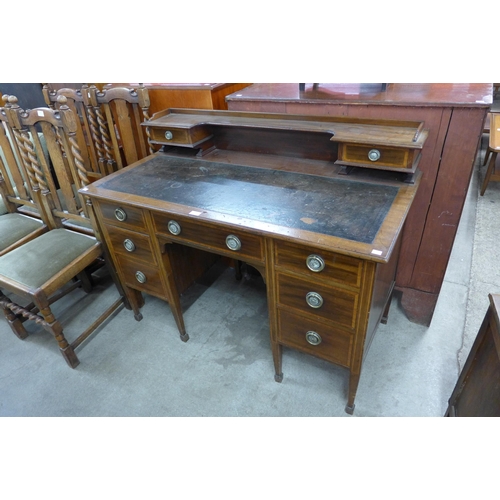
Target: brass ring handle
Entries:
(315, 263)
(233, 242)
(129, 245)
(168, 135)
(313, 338)
(140, 277)
(174, 227)
(373, 154)
(314, 300)
(120, 214)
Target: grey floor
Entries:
(143, 369)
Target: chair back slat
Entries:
(125, 120)
(48, 156)
(112, 142)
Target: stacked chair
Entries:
(108, 126)
(20, 218)
(87, 128)
(51, 264)
(120, 112)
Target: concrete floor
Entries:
(143, 369)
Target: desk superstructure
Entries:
(272, 191)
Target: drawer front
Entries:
(131, 243)
(374, 156)
(170, 135)
(314, 337)
(211, 238)
(148, 281)
(123, 216)
(339, 268)
(332, 304)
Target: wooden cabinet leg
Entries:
(385, 314)
(353, 387)
(133, 300)
(173, 296)
(418, 305)
(277, 357)
(489, 171)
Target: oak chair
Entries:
(492, 152)
(87, 128)
(120, 112)
(20, 220)
(48, 267)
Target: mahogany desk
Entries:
(454, 115)
(326, 244)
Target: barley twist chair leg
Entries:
(52, 325)
(14, 322)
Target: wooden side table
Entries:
(477, 393)
(455, 116)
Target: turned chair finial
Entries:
(62, 100)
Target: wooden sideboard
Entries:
(454, 114)
(271, 191)
(477, 392)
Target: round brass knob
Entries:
(373, 154)
(174, 227)
(314, 300)
(140, 277)
(233, 242)
(129, 245)
(120, 214)
(313, 338)
(168, 135)
(315, 263)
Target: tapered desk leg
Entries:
(353, 387)
(173, 296)
(277, 358)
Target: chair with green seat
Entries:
(44, 269)
(20, 218)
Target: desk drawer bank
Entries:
(325, 243)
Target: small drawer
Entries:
(179, 136)
(314, 337)
(123, 216)
(131, 243)
(232, 242)
(319, 264)
(310, 297)
(376, 156)
(170, 135)
(141, 276)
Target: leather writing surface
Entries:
(347, 209)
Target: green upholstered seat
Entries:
(40, 259)
(13, 227)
